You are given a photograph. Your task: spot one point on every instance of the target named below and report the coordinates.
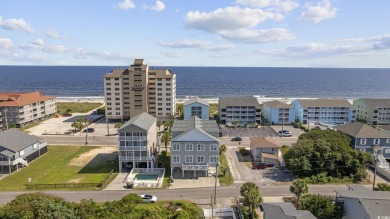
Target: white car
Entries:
(148, 198)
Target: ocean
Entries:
(208, 82)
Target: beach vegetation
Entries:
(76, 107)
(118, 125)
(40, 205)
(224, 174)
(321, 206)
(323, 156)
(383, 187)
(252, 198)
(299, 187)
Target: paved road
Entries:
(80, 140)
(196, 194)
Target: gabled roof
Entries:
(223, 102)
(22, 99)
(264, 142)
(15, 140)
(143, 121)
(376, 102)
(196, 134)
(375, 203)
(361, 130)
(193, 123)
(285, 210)
(197, 100)
(277, 104)
(305, 103)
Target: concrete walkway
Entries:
(118, 183)
(194, 183)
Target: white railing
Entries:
(194, 167)
(5, 163)
(132, 138)
(135, 158)
(132, 148)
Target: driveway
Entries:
(242, 173)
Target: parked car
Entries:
(89, 130)
(296, 126)
(270, 164)
(237, 139)
(148, 198)
(67, 115)
(285, 133)
(260, 166)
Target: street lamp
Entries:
(216, 178)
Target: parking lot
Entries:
(263, 131)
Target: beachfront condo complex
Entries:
(129, 92)
(373, 110)
(241, 110)
(19, 109)
(327, 111)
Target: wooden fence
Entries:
(71, 185)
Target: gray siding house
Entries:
(194, 148)
(18, 148)
(197, 107)
(366, 138)
(284, 210)
(137, 142)
(362, 203)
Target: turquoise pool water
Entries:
(146, 176)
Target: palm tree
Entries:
(299, 187)
(166, 138)
(168, 124)
(222, 149)
(118, 125)
(77, 125)
(235, 123)
(252, 196)
(159, 123)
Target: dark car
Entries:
(270, 164)
(260, 166)
(89, 130)
(237, 139)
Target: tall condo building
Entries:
(137, 89)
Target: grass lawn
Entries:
(228, 178)
(76, 107)
(53, 167)
(213, 109)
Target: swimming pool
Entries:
(140, 176)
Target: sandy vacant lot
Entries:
(94, 157)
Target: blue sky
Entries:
(271, 33)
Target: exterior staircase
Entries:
(23, 162)
(382, 163)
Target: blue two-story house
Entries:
(277, 112)
(196, 107)
(366, 138)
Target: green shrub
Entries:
(243, 151)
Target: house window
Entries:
(387, 150)
(213, 159)
(377, 141)
(175, 159)
(200, 159)
(189, 147)
(200, 147)
(21, 153)
(189, 159)
(388, 140)
(213, 147)
(35, 146)
(363, 141)
(176, 147)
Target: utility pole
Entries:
(108, 128)
(216, 178)
(5, 115)
(375, 163)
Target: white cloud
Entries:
(238, 24)
(159, 6)
(6, 43)
(203, 45)
(282, 5)
(258, 36)
(230, 18)
(38, 42)
(55, 49)
(54, 35)
(172, 54)
(126, 4)
(315, 13)
(16, 25)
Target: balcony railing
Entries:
(135, 158)
(133, 148)
(194, 167)
(132, 138)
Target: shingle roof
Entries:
(305, 103)
(376, 102)
(15, 140)
(277, 104)
(197, 100)
(195, 134)
(22, 99)
(143, 121)
(223, 102)
(361, 130)
(195, 122)
(376, 203)
(264, 142)
(285, 210)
